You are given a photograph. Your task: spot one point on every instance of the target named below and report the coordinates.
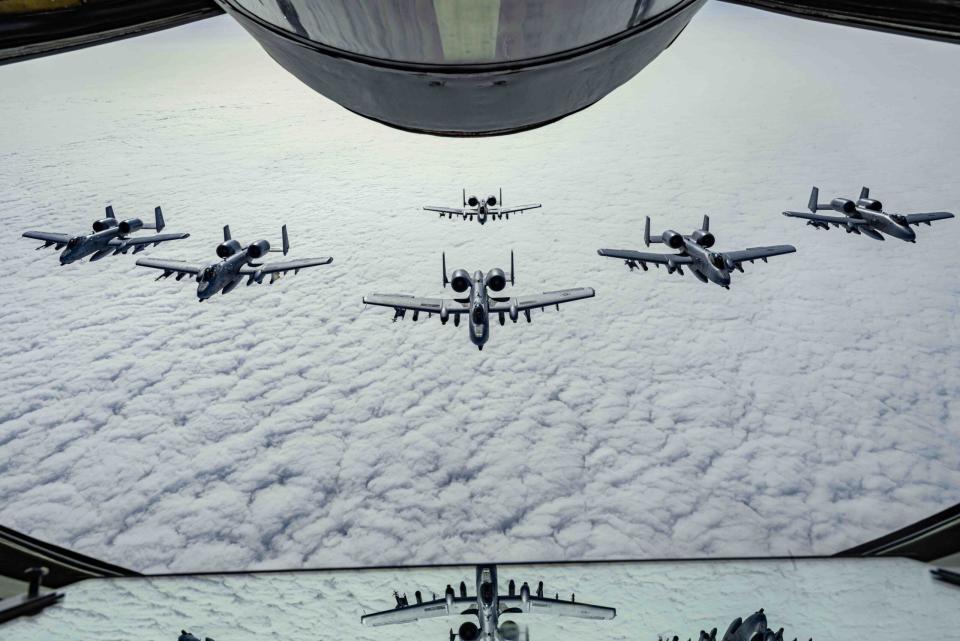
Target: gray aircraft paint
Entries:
(477, 303)
(109, 236)
(489, 208)
(865, 216)
(694, 251)
(487, 604)
(236, 263)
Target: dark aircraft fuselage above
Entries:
(476, 303)
(694, 252)
(109, 237)
(864, 216)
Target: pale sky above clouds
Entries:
(809, 408)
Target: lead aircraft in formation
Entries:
(694, 252)
(480, 300)
(864, 216)
(237, 262)
(487, 605)
(110, 237)
(489, 207)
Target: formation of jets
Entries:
(487, 604)
(480, 295)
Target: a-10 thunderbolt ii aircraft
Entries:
(694, 252)
(865, 216)
(237, 262)
(488, 207)
(110, 236)
(477, 302)
(487, 605)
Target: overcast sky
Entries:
(811, 407)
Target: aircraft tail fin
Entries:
(158, 224)
(864, 193)
(226, 233)
(706, 223)
(110, 212)
(512, 269)
(813, 205)
(443, 260)
(501, 197)
(285, 242)
(464, 196)
(646, 234)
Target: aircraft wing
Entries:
(511, 210)
(451, 211)
(538, 605)
(916, 219)
(402, 302)
(48, 238)
(545, 299)
(646, 257)
(156, 239)
(170, 266)
(820, 218)
(753, 253)
(287, 265)
(279, 269)
(425, 610)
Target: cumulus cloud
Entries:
(812, 406)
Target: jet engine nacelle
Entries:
(872, 205)
(496, 279)
(130, 225)
(473, 201)
(491, 201)
(258, 249)
(468, 631)
(228, 248)
(104, 223)
(672, 239)
(510, 631)
(460, 281)
(704, 238)
(843, 205)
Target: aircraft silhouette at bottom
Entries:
(487, 605)
(110, 236)
(477, 302)
(865, 216)
(694, 252)
(237, 263)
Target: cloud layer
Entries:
(812, 406)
